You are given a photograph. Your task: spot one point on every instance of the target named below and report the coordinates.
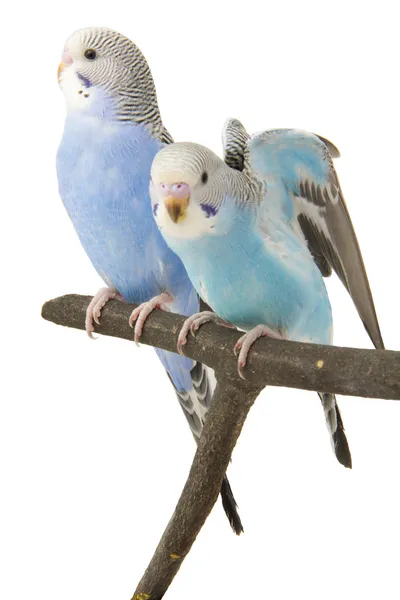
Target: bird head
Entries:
(103, 73)
(187, 188)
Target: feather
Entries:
(305, 167)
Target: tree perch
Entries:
(346, 371)
(366, 373)
(231, 403)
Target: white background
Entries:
(94, 449)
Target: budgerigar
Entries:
(257, 238)
(112, 132)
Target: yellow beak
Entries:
(176, 207)
(61, 68)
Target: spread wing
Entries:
(234, 142)
(303, 165)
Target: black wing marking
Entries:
(325, 221)
(234, 142)
(304, 164)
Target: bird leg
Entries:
(141, 313)
(194, 322)
(244, 343)
(93, 311)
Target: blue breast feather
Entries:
(104, 172)
(249, 277)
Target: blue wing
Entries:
(301, 163)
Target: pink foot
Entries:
(93, 311)
(194, 322)
(141, 313)
(244, 344)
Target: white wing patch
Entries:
(315, 213)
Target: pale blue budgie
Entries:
(257, 238)
(112, 132)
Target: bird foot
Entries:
(244, 344)
(194, 322)
(93, 311)
(140, 314)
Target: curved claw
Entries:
(141, 312)
(93, 311)
(243, 345)
(237, 347)
(193, 324)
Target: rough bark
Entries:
(231, 402)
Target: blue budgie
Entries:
(257, 233)
(112, 132)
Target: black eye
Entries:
(90, 54)
(204, 177)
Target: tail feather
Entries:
(336, 429)
(230, 506)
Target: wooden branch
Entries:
(370, 373)
(231, 403)
(348, 371)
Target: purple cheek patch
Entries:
(210, 211)
(84, 80)
(155, 209)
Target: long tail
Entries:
(336, 429)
